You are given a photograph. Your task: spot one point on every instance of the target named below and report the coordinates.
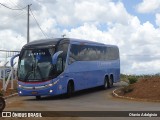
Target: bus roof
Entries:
(55, 41)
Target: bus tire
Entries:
(38, 97)
(2, 104)
(110, 81)
(106, 83)
(70, 89)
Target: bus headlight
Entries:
(19, 86)
(51, 84)
(55, 82)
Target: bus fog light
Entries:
(20, 92)
(51, 91)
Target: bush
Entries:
(132, 80)
(1, 93)
(127, 89)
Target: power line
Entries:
(20, 14)
(12, 8)
(38, 24)
(14, 4)
(23, 2)
(9, 4)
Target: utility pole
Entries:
(28, 7)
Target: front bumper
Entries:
(38, 92)
(37, 89)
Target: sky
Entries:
(132, 25)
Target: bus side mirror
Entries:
(12, 59)
(55, 57)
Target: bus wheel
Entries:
(38, 97)
(110, 82)
(106, 83)
(70, 89)
(2, 104)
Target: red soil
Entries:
(148, 88)
(9, 91)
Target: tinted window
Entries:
(112, 53)
(92, 53)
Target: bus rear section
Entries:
(93, 64)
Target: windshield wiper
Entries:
(34, 71)
(27, 75)
(40, 73)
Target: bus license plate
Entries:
(34, 93)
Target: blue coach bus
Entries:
(64, 65)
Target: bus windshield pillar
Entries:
(55, 57)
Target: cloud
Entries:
(102, 12)
(158, 19)
(11, 40)
(103, 21)
(147, 6)
(137, 43)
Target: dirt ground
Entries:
(9, 91)
(145, 88)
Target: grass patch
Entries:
(132, 80)
(1, 93)
(127, 89)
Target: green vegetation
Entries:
(132, 80)
(127, 89)
(1, 93)
(127, 78)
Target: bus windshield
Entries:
(35, 65)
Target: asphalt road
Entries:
(87, 100)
